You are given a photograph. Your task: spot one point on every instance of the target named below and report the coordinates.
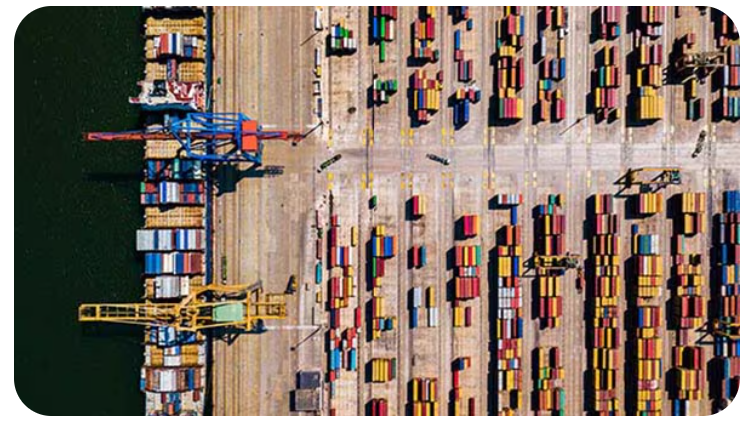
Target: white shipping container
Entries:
(417, 298)
(318, 21)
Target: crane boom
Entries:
(238, 307)
(215, 137)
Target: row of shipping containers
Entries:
(549, 242)
(423, 36)
(175, 169)
(342, 337)
(649, 274)
(510, 31)
(423, 397)
(688, 304)
(651, 20)
(172, 193)
(608, 78)
(609, 22)
(342, 40)
(456, 394)
(165, 240)
(727, 31)
(508, 335)
(727, 348)
(173, 375)
(417, 301)
(425, 95)
(603, 340)
(548, 375)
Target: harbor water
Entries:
(76, 209)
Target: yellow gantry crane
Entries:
(236, 306)
(664, 176)
(723, 327)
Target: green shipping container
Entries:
(382, 51)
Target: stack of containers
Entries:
(377, 321)
(468, 261)
(423, 399)
(509, 70)
(175, 169)
(651, 19)
(383, 26)
(469, 225)
(342, 353)
(382, 247)
(454, 401)
(423, 35)
(172, 193)
(608, 79)
(177, 45)
(431, 304)
(649, 274)
(609, 24)
(727, 30)
(377, 407)
(688, 311)
(649, 360)
(170, 286)
(553, 16)
(465, 67)
(549, 242)
(466, 272)
(172, 380)
(508, 335)
(175, 356)
(342, 40)
(510, 80)
(648, 82)
(173, 375)
(550, 100)
(176, 263)
(415, 302)
(649, 268)
(417, 206)
(730, 83)
(603, 340)
(341, 340)
(692, 213)
(417, 256)
(382, 370)
(464, 96)
(690, 379)
(548, 375)
(727, 296)
(649, 203)
(165, 240)
(509, 31)
(382, 90)
(425, 95)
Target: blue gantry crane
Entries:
(208, 137)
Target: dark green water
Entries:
(76, 209)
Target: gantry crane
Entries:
(701, 64)
(665, 176)
(557, 262)
(235, 306)
(724, 327)
(208, 137)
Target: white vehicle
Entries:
(318, 19)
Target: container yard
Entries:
(506, 210)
